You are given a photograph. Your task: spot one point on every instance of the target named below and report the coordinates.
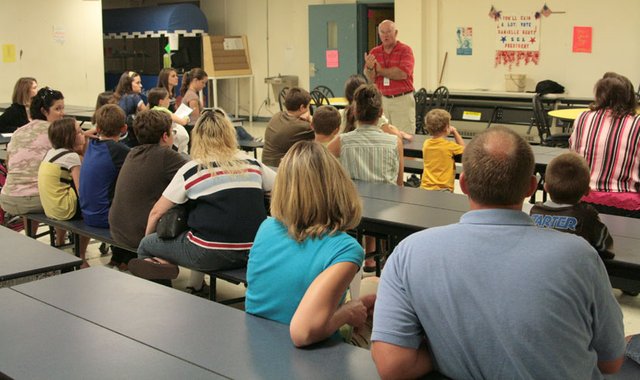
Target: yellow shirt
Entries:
(439, 167)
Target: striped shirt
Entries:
(368, 154)
(611, 148)
(226, 208)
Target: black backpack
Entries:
(549, 87)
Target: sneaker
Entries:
(153, 270)
(202, 292)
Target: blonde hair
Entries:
(437, 121)
(213, 139)
(313, 194)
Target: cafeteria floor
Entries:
(630, 305)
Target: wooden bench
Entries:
(77, 228)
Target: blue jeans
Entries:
(182, 252)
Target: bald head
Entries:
(498, 166)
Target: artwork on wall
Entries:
(464, 38)
(517, 38)
(582, 37)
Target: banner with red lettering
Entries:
(517, 39)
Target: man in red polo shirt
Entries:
(390, 66)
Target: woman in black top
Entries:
(17, 114)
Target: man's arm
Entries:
(610, 366)
(395, 362)
(394, 73)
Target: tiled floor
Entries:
(630, 305)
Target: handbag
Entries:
(173, 222)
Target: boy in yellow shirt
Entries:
(438, 153)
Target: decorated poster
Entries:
(517, 39)
(464, 37)
(582, 37)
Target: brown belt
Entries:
(396, 95)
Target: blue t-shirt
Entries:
(280, 269)
(129, 103)
(98, 174)
(499, 298)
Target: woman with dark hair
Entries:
(128, 97)
(348, 115)
(193, 82)
(608, 137)
(168, 79)
(25, 151)
(17, 114)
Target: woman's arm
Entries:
(334, 146)
(319, 314)
(400, 179)
(160, 208)
(75, 175)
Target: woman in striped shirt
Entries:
(608, 137)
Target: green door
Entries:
(336, 45)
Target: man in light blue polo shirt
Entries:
(494, 296)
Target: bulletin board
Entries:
(226, 55)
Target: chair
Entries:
(422, 104)
(440, 99)
(325, 90)
(541, 120)
(281, 96)
(318, 99)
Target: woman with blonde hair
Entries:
(302, 260)
(223, 189)
(17, 114)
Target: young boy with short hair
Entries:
(438, 153)
(325, 124)
(102, 162)
(567, 181)
(159, 101)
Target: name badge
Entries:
(386, 82)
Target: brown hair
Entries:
(62, 133)
(497, 166)
(350, 87)
(22, 91)
(326, 120)
(295, 98)
(102, 99)
(368, 103)
(333, 205)
(615, 92)
(155, 95)
(150, 125)
(567, 178)
(109, 120)
(437, 121)
(163, 80)
(189, 76)
(124, 85)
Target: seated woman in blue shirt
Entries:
(302, 261)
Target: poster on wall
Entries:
(8, 53)
(517, 39)
(464, 38)
(333, 59)
(582, 37)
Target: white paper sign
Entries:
(233, 44)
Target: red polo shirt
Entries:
(402, 57)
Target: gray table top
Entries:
(543, 154)
(416, 196)
(40, 341)
(22, 256)
(213, 336)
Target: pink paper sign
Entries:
(582, 37)
(333, 60)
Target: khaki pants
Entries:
(401, 112)
(21, 205)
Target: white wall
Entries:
(74, 67)
(614, 45)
